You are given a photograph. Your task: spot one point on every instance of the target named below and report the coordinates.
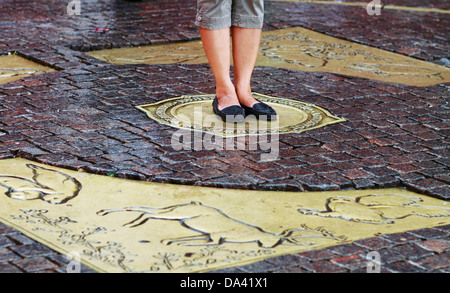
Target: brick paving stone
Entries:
(7, 255)
(442, 192)
(316, 183)
(410, 251)
(351, 262)
(347, 249)
(426, 185)
(338, 179)
(284, 185)
(228, 271)
(292, 270)
(405, 267)
(6, 230)
(285, 261)
(400, 238)
(5, 241)
(30, 250)
(62, 262)
(429, 233)
(6, 268)
(364, 183)
(208, 173)
(374, 243)
(387, 257)
(260, 267)
(325, 267)
(445, 228)
(314, 255)
(355, 174)
(35, 264)
(20, 239)
(435, 245)
(433, 263)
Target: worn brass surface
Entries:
(196, 113)
(118, 225)
(299, 49)
(13, 67)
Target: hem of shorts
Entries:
(214, 23)
(248, 22)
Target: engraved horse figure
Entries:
(215, 227)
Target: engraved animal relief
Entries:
(45, 184)
(376, 209)
(298, 49)
(214, 227)
(107, 251)
(40, 217)
(203, 257)
(186, 52)
(390, 70)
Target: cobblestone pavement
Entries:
(82, 116)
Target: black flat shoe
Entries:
(233, 114)
(261, 110)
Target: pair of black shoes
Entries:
(237, 114)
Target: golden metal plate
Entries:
(13, 67)
(117, 225)
(299, 49)
(196, 113)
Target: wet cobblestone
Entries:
(104, 138)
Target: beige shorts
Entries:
(219, 14)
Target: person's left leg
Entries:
(245, 51)
(246, 27)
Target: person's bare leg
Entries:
(216, 44)
(245, 51)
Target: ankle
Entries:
(225, 91)
(226, 96)
(245, 96)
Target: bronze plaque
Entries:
(195, 113)
(117, 225)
